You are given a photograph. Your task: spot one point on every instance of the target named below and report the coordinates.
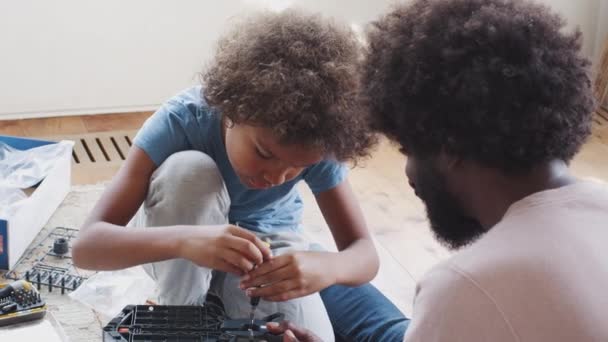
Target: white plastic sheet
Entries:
(23, 169)
(109, 292)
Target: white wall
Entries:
(65, 57)
(581, 13)
(601, 39)
(601, 35)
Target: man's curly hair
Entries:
(295, 73)
(494, 81)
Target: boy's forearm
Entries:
(357, 264)
(103, 246)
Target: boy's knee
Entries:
(189, 166)
(188, 177)
(187, 170)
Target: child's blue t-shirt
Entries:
(186, 122)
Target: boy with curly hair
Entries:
(214, 171)
(490, 100)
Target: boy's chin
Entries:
(253, 185)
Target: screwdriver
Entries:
(254, 301)
(14, 287)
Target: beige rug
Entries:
(404, 253)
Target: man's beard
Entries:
(451, 226)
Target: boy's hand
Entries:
(291, 333)
(223, 247)
(289, 276)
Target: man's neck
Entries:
(496, 192)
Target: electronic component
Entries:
(49, 265)
(173, 323)
(60, 246)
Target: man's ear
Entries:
(448, 162)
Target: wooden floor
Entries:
(592, 161)
(397, 218)
(71, 125)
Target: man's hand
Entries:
(291, 333)
(224, 247)
(290, 276)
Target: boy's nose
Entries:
(275, 178)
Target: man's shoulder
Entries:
(452, 275)
(451, 303)
(478, 269)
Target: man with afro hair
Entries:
(490, 100)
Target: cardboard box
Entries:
(18, 231)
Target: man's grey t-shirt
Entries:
(540, 274)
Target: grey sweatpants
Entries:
(188, 189)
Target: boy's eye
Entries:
(261, 154)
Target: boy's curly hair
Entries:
(297, 74)
(494, 81)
